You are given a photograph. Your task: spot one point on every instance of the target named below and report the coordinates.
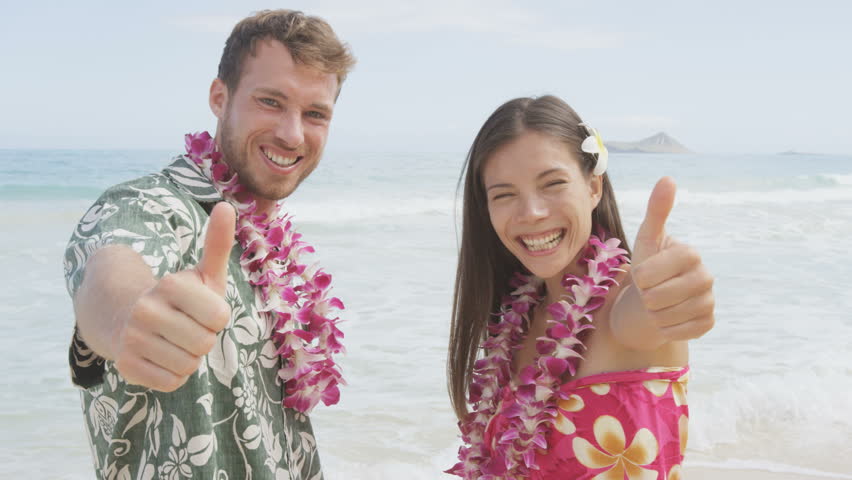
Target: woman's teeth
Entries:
(546, 242)
(279, 160)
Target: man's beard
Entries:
(238, 158)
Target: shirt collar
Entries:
(191, 179)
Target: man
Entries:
(173, 345)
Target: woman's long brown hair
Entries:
(485, 265)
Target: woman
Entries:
(543, 253)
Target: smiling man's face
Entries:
(273, 127)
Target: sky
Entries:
(721, 77)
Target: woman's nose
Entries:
(532, 208)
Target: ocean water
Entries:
(771, 382)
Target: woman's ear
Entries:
(596, 189)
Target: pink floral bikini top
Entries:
(613, 426)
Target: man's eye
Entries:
(317, 115)
(269, 101)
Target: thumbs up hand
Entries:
(213, 266)
(651, 237)
(162, 337)
(669, 294)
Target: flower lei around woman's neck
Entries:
(534, 408)
(295, 296)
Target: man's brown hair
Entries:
(310, 40)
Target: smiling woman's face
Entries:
(540, 202)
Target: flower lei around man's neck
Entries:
(295, 296)
(533, 410)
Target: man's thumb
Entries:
(652, 232)
(213, 266)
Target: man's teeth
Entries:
(536, 244)
(279, 160)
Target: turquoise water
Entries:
(771, 381)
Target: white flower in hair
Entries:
(594, 144)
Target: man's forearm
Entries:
(115, 277)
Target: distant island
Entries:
(794, 152)
(659, 143)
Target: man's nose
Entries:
(289, 129)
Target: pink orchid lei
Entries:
(534, 409)
(294, 295)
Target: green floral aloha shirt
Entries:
(227, 421)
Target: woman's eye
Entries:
(555, 182)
